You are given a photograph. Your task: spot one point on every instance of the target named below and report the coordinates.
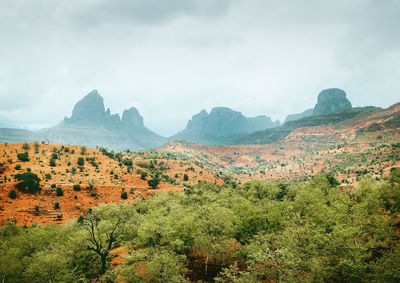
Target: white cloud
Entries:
(171, 61)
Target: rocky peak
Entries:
(89, 109)
(132, 119)
(331, 100)
(223, 121)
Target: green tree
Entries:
(28, 182)
(104, 226)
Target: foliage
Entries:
(29, 182)
(103, 228)
(12, 194)
(256, 232)
(24, 156)
(59, 192)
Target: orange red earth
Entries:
(109, 179)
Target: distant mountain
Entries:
(298, 116)
(91, 125)
(330, 100)
(221, 126)
(277, 134)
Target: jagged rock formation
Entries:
(91, 125)
(221, 125)
(331, 100)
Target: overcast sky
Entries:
(170, 59)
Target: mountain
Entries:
(91, 125)
(279, 133)
(329, 101)
(221, 126)
(347, 143)
(294, 117)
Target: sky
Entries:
(170, 59)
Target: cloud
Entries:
(170, 59)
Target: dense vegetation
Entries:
(260, 231)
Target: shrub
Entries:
(77, 187)
(153, 183)
(83, 150)
(52, 162)
(17, 167)
(128, 162)
(12, 194)
(81, 161)
(54, 156)
(59, 192)
(30, 182)
(23, 156)
(47, 176)
(124, 195)
(57, 205)
(53, 186)
(25, 146)
(185, 177)
(37, 209)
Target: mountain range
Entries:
(92, 125)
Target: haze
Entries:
(170, 59)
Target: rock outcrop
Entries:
(220, 125)
(330, 101)
(90, 124)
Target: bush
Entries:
(56, 205)
(12, 194)
(48, 176)
(26, 146)
(83, 150)
(52, 162)
(124, 195)
(23, 156)
(53, 186)
(59, 192)
(127, 162)
(185, 177)
(17, 167)
(153, 183)
(143, 175)
(77, 187)
(30, 182)
(81, 161)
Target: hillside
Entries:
(363, 145)
(102, 178)
(279, 133)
